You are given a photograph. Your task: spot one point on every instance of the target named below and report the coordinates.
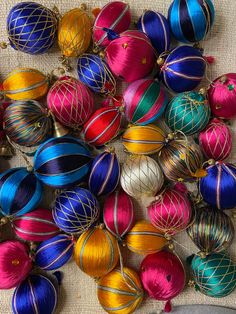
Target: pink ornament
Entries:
(130, 56)
(118, 213)
(70, 101)
(222, 96)
(35, 226)
(171, 212)
(216, 140)
(163, 276)
(15, 263)
(114, 16)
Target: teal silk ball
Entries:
(214, 275)
(188, 112)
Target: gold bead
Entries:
(211, 162)
(202, 254)
(3, 221)
(144, 60)
(3, 45)
(15, 262)
(83, 6)
(102, 54)
(168, 237)
(203, 91)
(101, 226)
(223, 79)
(160, 61)
(171, 246)
(125, 45)
(30, 168)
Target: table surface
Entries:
(78, 291)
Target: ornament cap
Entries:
(59, 130)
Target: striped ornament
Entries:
(27, 123)
(94, 73)
(62, 162)
(120, 291)
(96, 252)
(157, 28)
(114, 16)
(25, 83)
(20, 192)
(105, 174)
(183, 69)
(218, 188)
(102, 126)
(54, 252)
(145, 101)
(35, 226)
(31, 27)
(36, 294)
(118, 213)
(145, 239)
(191, 20)
(144, 140)
(188, 112)
(75, 210)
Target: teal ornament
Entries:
(188, 112)
(214, 275)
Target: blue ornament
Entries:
(183, 69)
(31, 27)
(105, 174)
(55, 252)
(20, 192)
(75, 210)
(157, 28)
(94, 73)
(191, 20)
(36, 294)
(62, 162)
(218, 188)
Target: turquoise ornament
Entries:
(214, 275)
(188, 112)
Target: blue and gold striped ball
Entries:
(183, 69)
(62, 162)
(55, 252)
(191, 20)
(36, 294)
(20, 192)
(75, 210)
(105, 174)
(31, 27)
(157, 28)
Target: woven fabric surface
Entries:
(78, 291)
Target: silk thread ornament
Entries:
(118, 213)
(120, 291)
(171, 211)
(214, 275)
(145, 140)
(113, 17)
(20, 192)
(145, 239)
(163, 276)
(182, 69)
(222, 96)
(103, 126)
(130, 56)
(188, 112)
(55, 252)
(190, 21)
(212, 230)
(15, 263)
(140, 176)
(75, 210)
(96, 252)
(74, 32)
(31, 27)
(216, 140)
(25, 83)
(27, 123)
(145, 101)
(37, 294)
(218, 188)
(70, 101)
(62, 162)
(105, 173)
(157, 28)
(95, 73)
(35, 226)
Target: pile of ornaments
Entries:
(93, 214)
